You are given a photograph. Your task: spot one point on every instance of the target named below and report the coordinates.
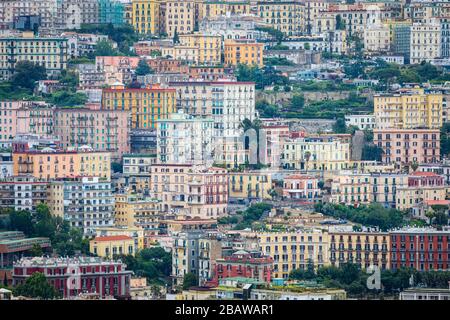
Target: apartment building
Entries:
(426, 41)
(362, 122)
(110, 246)
(146, 105)
(421, 187)
(408, 145)
(294, 250)
(146, 16)
(180, 17)
(285, 16)
(51, 53)
(420, 248)
(362, 248)
(190, 190)
(211, 9)
(52, 164)
(85, 202)
(243, 52)
(408, 110)
(207, 48)
(316, 153)
(23, 192)
(102, 130)
(133, 210)
(250, 185)
(301, 187)
(184, 139)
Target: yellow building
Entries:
(408, 110)
(243, 52)
(109, 246)
(136, 233)
(363, 248)
(137, 211)
(285, 16)
(146, 16)
(209, 47)
(50, 53)
(146, 104)
(210, 9)
(250, 185)
(294, 250)
(62, 164)
(316, 153)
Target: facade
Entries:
(184, 139)
(146, 16)
(102, 130)
(137, 211)
(421, 249)
(109, 246)
(106, 278)
(85, 202)
(410, 110)
(243, 52)
(255, 266)
(294, 250)
(53, 164)
(301, 187)
(180, 17)
(362, 248)
(22, 193)
(408, 145)
(145, 105)
(111, 11)
(316, 153)
(363, 122)
(426, 41)
(191, 190)
(207, 48)
(52, 53)
(250, 185)
(285, 16)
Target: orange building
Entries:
(54, 164)
(243, 52)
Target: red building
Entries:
(252, 265)
(421, 249)
(72, 276)
(425, 179)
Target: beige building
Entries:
(285, 16)
(208, 47)
(377, 39)
(137, 211)
(426, 41)
(294, 250)
(363, 248)
(180, 17)
(191, 190)
(316, 153)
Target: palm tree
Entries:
(307, 156)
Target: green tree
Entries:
(176, 37)
(36, 286)
(372, 152)
(26, 74)
(36, 250)
(143, 68)
(104, 48)
(21, 221)
(339, 126)
(189, 280)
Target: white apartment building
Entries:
(184, 139)
(425, 41)
(362, 121)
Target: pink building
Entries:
(408, 145)
(425, 179)
(301, 187)
(100, 129)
